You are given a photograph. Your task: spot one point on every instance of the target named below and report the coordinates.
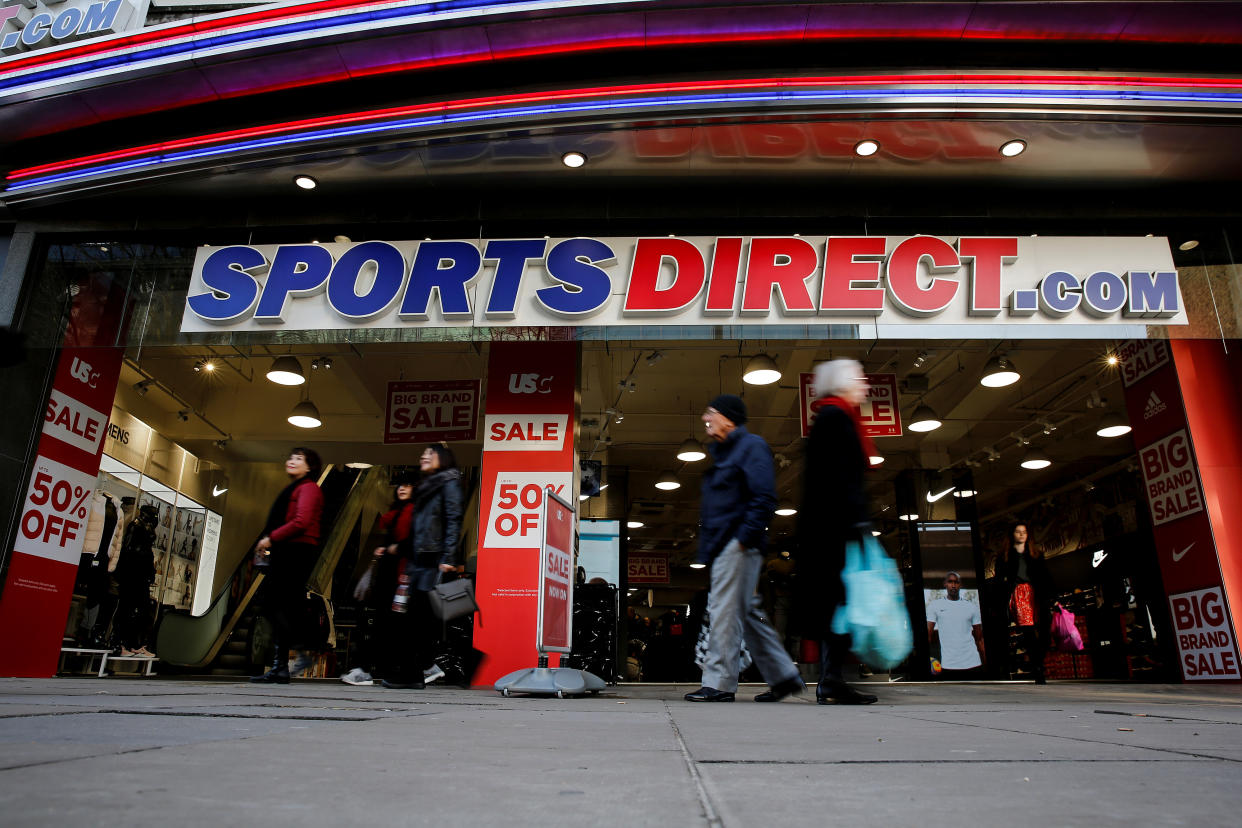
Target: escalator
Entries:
(219, 642)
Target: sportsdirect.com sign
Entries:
(1088, 285)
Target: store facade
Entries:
(716, 222)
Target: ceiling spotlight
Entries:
(628, 385)
(690, 450)
(876, 459)
(573, 159)
(875, 533)
(1189, 244)
(697, 565)
(998, 373)
(582, 497)
(305, 415)
(965, 493)
(920, 359)
(761, 370)
(866, 147)
(220, 444)
(786, 509)
(909, 516)
(668, 481)
(634, 524)
(305, 182)
(654, 357)
(1035, 459)
(1011, 148)
(1113, 425)
(286, 370)
(143, 386)
(183, 415)
(1112, 360)
(198, 366)
(924, 419)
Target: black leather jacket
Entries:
(435, 529)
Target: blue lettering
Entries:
(389, 272)
(511, 256)
(67, 23)
(1024, 303)
(100, 16)
(431, 273)
(1058, 293)
(1153, 294)
(1103, 294)
(36, 29)
(584, 287)
(231, 289)
(297, 270)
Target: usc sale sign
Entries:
(528, 450)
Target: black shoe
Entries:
(397, 685)
(838, 692)
(272, 676)
(788, 687)
(709, 694)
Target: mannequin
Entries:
(134, 576)
(101, 550)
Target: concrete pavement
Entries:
(125, 751)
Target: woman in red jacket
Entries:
(290, 542)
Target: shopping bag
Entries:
(362, 590)
(1065, 635)
(874, 613)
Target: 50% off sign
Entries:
(54, 516)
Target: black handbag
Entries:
(453, 599)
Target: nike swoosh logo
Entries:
(1177, 556)
(215, 492)
(932, 498)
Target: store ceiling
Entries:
(1058, 380)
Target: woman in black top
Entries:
(1024, 573)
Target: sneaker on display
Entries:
(432, 673)
(358, 677)
(301, 664)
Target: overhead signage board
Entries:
(880, 414)
(428, 411)
(896, 286)
(647, 569)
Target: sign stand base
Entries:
(549, 681)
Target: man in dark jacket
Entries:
(737, 504)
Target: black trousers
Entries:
(409, 640)
(284, 593)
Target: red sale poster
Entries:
(528, 446)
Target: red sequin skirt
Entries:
(1022, 605)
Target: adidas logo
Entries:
(1155, 405)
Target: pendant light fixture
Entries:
(305, 415)
(1113, 425)
(691, 451)
(668, 481)
(761, 370)
(924, 419)
(998, 373)
(786, 509)
(875, 459)
(286, 370)
(1034, 459)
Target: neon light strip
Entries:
(792, 85)
(378, 122)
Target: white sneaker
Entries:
(359, 677)
(432, 673)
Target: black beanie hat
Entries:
(731, 406)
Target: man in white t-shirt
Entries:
(960, 628)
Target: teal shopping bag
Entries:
(874, 613)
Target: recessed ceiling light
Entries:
(1011, 148)
(867, 147)
(1190, 244)
(573, 159)
(305, 182)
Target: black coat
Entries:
(1037, 576)
(834, 506)
(435, 529)
(738, 496)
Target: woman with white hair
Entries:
(834, 511)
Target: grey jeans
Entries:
(736, 615)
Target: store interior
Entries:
(640, 403)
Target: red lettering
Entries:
(881, 410)
(549, 432)
(530, 522)
(498, 432)
(461, 415)
(783, 264)
(773, 140)
(988, 255)
(663, 143)
(842, 270)
(400, 418)
(644, 293)
(1152, 465)
(63, 419)
(422, 418)
(1182, 613)
(903, 269)
(722, 286)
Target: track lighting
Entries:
(667, 481)
(924, 419)
(204, 365)
(690, 451)
(654, 357)
(220, 444)
(322, 362)
(998, 373)
(143, 386)
(920, 359)
(286, 370)
(761, 370)
(305, 415)
(184, 415)
(1113, 425)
